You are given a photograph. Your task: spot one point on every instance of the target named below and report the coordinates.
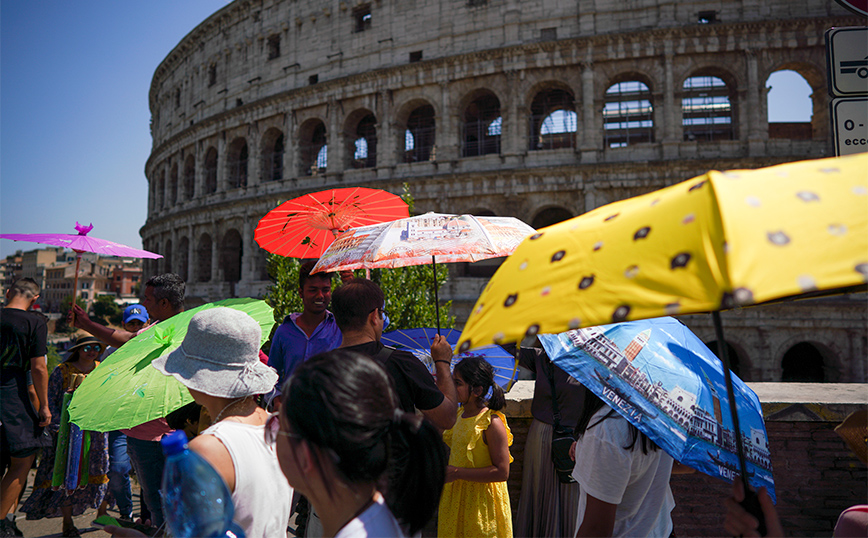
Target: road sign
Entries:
(847, 61)
(850, 125)
(860, 7)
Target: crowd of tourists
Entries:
(331, 429)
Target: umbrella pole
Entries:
(751, 501)
(436, 300)
(74, 290)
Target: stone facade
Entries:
(542, 110)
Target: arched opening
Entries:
(184, 258)
(273, 147)
(189, 177)
(420, 134)
(363, 147)
(210, 171)
(173, 184)
(161, 189)
(237, 163)
(203, 253)
(803, 363)
(789, 106)
(628, 114)
(481, 127)
(553, 120)
(230, 256)
(549, 216)
(313, 148)
(706, 109)
(167, 257)
(732, 354)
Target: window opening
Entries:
(315, 152)
(313, 79)
(416, 56)
(204, 255)
(212, 75)
(273, 47)
(481, 126)
(803, 363)
(189, 177)
(362, 16)
(231, 256)
(173, 184)
(790, 109)
(553, 120)
(706, 17)
(627, 114)
(272, 161)
(238, 164)
(365, 143)
(706, 109)
(548, 34)
(211, 171)
(419, 136)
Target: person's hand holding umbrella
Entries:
(739, 522)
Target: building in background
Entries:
(540, 109)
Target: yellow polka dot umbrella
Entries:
(718, 241)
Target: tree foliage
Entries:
(409, 291)
(107, 309)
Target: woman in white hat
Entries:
(219, 364)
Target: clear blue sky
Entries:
(74, 81)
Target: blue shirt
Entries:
(291, 346)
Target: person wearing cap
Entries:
(46, 501)
(218, 362)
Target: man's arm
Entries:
(39, 373)
(114, 337)
(444, 415)
(599, 519)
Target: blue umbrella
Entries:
(418, 342)
(659, 376)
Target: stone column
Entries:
(671, 116)
(216, 270)
(222, 164)
(446, 141)
(291, 149)
(254, 156)
(752, 118)
(248, 256)
(335, 139)
(591, 124)
(191, 254)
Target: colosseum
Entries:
(541, 109)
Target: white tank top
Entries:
(262, 496)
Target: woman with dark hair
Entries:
(334, 437)
(46, 501)
(623, 476)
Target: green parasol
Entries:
(124, 391)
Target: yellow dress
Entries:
(474, 508)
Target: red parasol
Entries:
(305, 226)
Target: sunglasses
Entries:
(91, 347)
(272, 430)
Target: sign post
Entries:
(847, 73)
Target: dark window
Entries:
(419, 135)
(364, 148)
(548, 34)
(706, 109)
(416, 56)
(237, 163)
(273, 44)
(183, 258)
(212, 75)
(362, 17)
(553, 120)
(803, 363)
(173, 184)
(552, 215)
(313, 79)
(178, 98)
(230, 256)
(314, 150)
(189, 177)
(211, 171)
(272, 157)
(204, 258)
(706, 17)
(476, 3)
(482, 125)
(627, 114)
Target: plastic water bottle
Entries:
(196, 500)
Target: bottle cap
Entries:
(174, 443)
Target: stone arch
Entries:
(189, 177)
(818, 127)
(203, 258)
(271, 157)
(360, 133)
(805, 362)
(553, 119)
(313, 147)
(737, 359)
(167, 257)
(550, 215)
(173, 184)
(708, 105)
(628, 110)
(417, 130)
(481, 123)
(236, 163)
(184, 258)
(210, 170)
(231, 248)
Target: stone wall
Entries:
(816, 475)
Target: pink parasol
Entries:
(82, 243)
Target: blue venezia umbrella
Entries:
(418, 342)
(659, 376)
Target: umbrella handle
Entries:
(74, 290)
(436, 300)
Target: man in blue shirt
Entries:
(306, 333)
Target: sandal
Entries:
(71, 532)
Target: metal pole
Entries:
(436, 300)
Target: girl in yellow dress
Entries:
(475, 501)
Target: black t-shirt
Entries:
(23, 335)
(413, 382)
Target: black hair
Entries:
(593, 404)
(304, 273)
(344, 403)
(168, 286)
(477, 372)
(354, 300)
(26, 287)
(178, 418)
